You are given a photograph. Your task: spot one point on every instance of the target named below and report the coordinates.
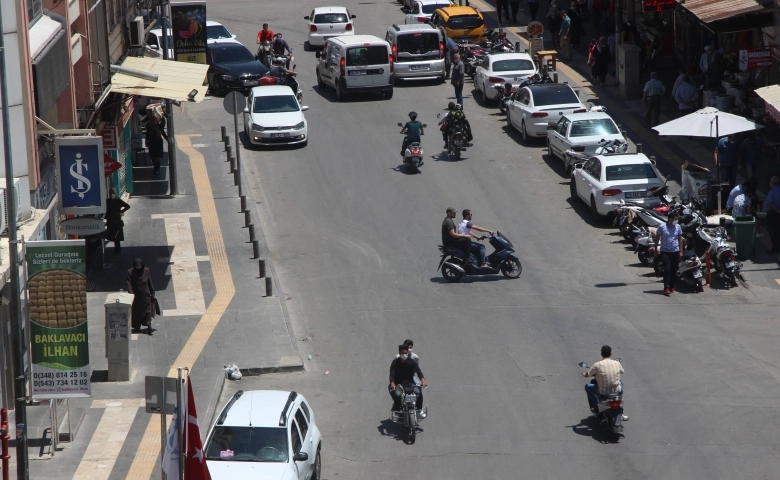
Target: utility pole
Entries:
(165, 22)
(16, 321)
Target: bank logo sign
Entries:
(80, 175)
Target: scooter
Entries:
(409, 416)
(690, 270)
(610, 410)
(455, 263)
(288, 59)
(455, 144)
(721, 254)
(291, 82)
(264, 54)
(413, 154)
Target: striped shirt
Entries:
(654, 88)
(607, 373)
(670, 237)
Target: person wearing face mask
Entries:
(670, 237)
(413, 356)
(402, 372)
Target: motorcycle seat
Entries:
(454, 251)
(415, 144)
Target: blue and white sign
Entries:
(82, 188)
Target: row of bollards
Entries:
(235, 169)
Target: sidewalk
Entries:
(214, 313)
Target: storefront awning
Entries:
(709, 11)
(771, 95)
(175, 79)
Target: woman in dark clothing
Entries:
(601, 55)
(115, 232)
(554, 23)
(139, 283)
(575, 30)
(155, 132)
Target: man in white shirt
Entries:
(465, 228)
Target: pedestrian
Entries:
(554, 23)
(751, 152)
(115, 232)
(155, 132)
(686, 96)
(139, 283)
(565, 30)
(601, 64)
(735, 192)
(592, 58)
(576, 29)
(670, 237)
(502, 4)
(515, 6)
(679, 80)
(595, 13)
(743, 202)
(726, 159)
(772, 209)
(458, 73)
(533, 8)
(651, 98)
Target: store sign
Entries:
(110, 165)
(110, 137)
(83, 226)
(755, 59)
(59, 335)
(189, 31)
(80, 175)
(657, 5)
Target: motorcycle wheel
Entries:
(699, 286)
(658, 266)
(450, 274)
(411, 431)
(733, 279)
(512, 268)
(457, 154)
(644, 259)
(501, 105)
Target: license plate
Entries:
(279, 135)
(696, 274)
(419, 67)
(636, 194)
(355, 73)
(729, 264)
(251, 83)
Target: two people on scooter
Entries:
(476, 248)
(455, 120)
(413, 129)
(450, 236)
(279, 45)
(402, 372)
(606, 379)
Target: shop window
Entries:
(34, 11)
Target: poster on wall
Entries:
(57, 293)
(189, 31)
(79, 163)
(755, 59)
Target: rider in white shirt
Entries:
(465, 228)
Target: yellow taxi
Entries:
(460, 23)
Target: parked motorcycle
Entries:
(722, 255)
(409, 416)
(690, 270)
(455, 263)
(413, 154)
(610, 415)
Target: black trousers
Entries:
(502, 4)
(534, 8)
(653, 113)
(515, 5)
(671, 261)
(396, 395)
(773, 225)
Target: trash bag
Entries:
(232, 372)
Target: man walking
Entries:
(565, 35)
(751, 151)
(502, 4)
(726, 160)
(670, 237)
(458, 73)
(772, 209)
(651, 98)
(139, 283)
(515, 6)
(554, 23)
(533, 8)
(686, 96)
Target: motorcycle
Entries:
(291, 82)
(610, 410)
(264, 54)
(409, 416)
(455, 263)
(721, 254)
(690, 270)
(455, 144)
(413, 154)
(504, 94)
(288, 59)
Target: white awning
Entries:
(175, 79)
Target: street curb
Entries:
(257, 371)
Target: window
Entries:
(415, 9)
(512, 65)
(465, 22)
(302, 423)
(554, 96)
(216, 32)
(601, 126)
(364, 56)
(630, 172)
(296, 438)
(523, 97)
(151, 40)
(231, 54)
(305, 409)
(260, 444)
(430, 8)
(331, 18)
(275, 104)
(563, 125)
(418, 43)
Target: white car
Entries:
(215, 33)
(420, 11)
(536, 106)
(273, 116)
(604, 180)
(501, 68)
(327, 22)
(581, 133)
(265, 434)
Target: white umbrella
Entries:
(707, 122)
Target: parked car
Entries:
(604, 180)
(328, 22)
(501, 68)
(420, 11)
(273, 116)
(232, 67)
(418, 52)
(461, 23)
(265, 434)
(359, 63)
(535, 106)
(581, 133)
(215, 33)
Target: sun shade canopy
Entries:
(175, 79)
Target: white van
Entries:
(357, 63)
(418, 51)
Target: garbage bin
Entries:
(744, 235)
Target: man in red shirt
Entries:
(264, 35)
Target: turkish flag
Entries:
(195, 464)
(110, 165)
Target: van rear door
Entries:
(367, 65)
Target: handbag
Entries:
(156, 306)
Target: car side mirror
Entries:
(399, 124)
(300, 457)
(246, 110)
(438, 115)
(353, 16)
(550, 126)
(425, 125)
(233, 37)
(578, 166)
(306, 17)
(317, 54)
(405, 10)
(304, 108)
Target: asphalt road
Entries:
(353, 240)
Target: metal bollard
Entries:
(242, 199)
(223, 131)
(517, 46)
(236, 178)
(256, 249)
(261, 267)
(252, 233)
(269, 287)
(229, 151)
(638, 148)
(232, 164)
(555, 77)
(247, 218)
(227, 140)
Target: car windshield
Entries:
(512, 65)
(630, 172)
(362, 56)
(216, 32)
(554, 96)
(247, 444)
(418, 43)
(429, 9)
(232, 54)
(331, 18)
(275, 104)
(465, 22)
(587, 128)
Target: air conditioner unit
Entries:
(19, 212)
(137, 32)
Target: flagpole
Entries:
(163, 430)
(180, 422)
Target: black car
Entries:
(232, 67)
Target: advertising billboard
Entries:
(189, 31)
(82, 189)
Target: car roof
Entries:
(587, 116)
(212, 23)
(412, 27)
(356, 39)
(522, 55)
(268, 90)
(432, 2)
(623, 159)
(329, 10)
(233, 45)
(262, 407)
(458, 10)
(546, 86)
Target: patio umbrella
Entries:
(707, 122)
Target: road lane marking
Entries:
(145, 460)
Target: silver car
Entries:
(418, 52)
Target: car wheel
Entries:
(219, 88)
(595, 216)
(317, 467)
(508, 118)
(305, 142)
(573, 189)
(550, 152)
(389, 94)
(340, 94)
(442, 79)
(524, 133)
(320, 83)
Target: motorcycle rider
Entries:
(456, 120)
(477, 248)
(413, 129)
(450, 236)
(264, 35)
(279, 45)
(606, 374)
(402, 371)
(279, 72)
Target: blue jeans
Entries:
(479, 251)
(459, 94)
(728, 173)
(592, 390)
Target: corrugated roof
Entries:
(176, 79)
(713, 10)
(771, 95)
